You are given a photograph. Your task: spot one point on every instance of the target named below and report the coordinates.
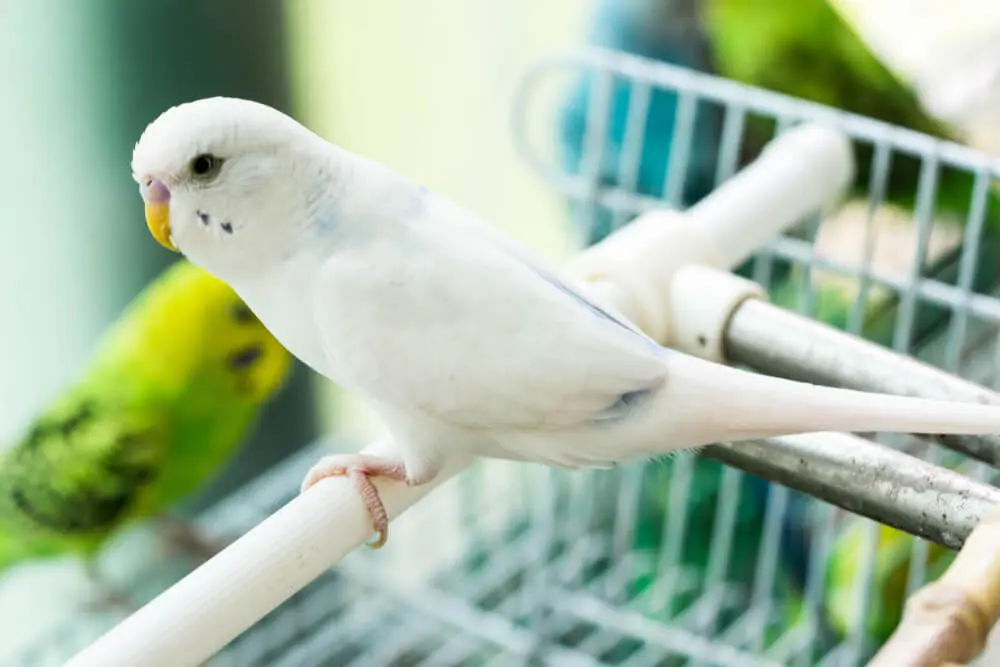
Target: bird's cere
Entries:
(154, 192)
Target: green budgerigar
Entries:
(807, 50)
(173, 390)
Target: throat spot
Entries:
(206, 220)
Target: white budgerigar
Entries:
(456, 334)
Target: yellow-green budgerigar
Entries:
(174, 388)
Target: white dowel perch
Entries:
(805, 167)
(199, 615)
(196, 617)
(640, 268)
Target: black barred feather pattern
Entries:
(81, 469)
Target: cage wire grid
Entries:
(662, 564)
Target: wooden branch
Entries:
(946, 623)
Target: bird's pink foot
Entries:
(360, 468)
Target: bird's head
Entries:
(224, 179)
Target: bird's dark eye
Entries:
(242, 314)
(205, 164)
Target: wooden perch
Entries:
(946, 623)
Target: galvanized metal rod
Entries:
(776, 341)
(870, 479)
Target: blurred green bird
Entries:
(807, 50)
(174, 388)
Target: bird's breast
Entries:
(284, 305)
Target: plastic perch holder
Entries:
(634, 271)
(670, 271)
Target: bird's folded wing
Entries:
(475, 332)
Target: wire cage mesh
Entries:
(684, 561)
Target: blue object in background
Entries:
(662, 30)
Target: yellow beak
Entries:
(158, 221)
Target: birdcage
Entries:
(750, 556)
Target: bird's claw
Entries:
(360, 468)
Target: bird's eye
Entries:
(242, 314)
(205, 164)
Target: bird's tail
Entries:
(704, 403)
